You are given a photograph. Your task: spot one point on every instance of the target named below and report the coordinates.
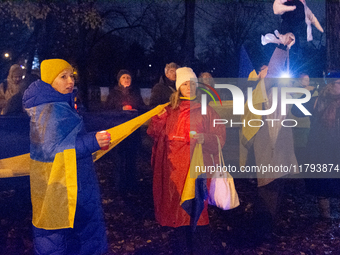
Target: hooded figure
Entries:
(66, 204)
(171, 156)
(11, 86)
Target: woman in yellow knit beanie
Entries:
(66, 205)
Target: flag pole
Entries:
(287, 60)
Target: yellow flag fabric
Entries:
(20, 166)
(15, 166)
(54, 180)
(189, 185)
(120, 132)
(253, 76)
(259, 97)
(195, 188)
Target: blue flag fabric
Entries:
(195, 190)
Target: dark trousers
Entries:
(266, 206)
(125, 163)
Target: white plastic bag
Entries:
(222, 192)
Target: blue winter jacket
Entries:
(88, 233)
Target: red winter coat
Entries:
(171, 157)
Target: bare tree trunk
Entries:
(82, 65)
(188, 48)
(333, 34)
(33, 45)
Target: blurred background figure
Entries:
(124, 96)
(10, 87)
(304, 82)
(161, 92)
(205, 79)
(301, 132)
(324, 141)
(127, 100)
(14, 105)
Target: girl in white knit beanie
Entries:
(171, 156)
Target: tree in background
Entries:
(161, 32)
(66, 29)
(101, 37)
(188, 45)
(233, 25)
(333, 34)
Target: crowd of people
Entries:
(67, 214)
(62, 171)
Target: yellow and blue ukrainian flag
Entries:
(195, 190)
(52, 162)
(53, 167)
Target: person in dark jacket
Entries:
(66, 205)
(323, 144)
(161, 92)
(124, 96)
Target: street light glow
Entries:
(285, 75)
(6, 55)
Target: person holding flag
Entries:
(171, 156)
(66, 204)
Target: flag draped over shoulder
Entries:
(53, 167)
(195, 188)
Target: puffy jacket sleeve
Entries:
(86, 144)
